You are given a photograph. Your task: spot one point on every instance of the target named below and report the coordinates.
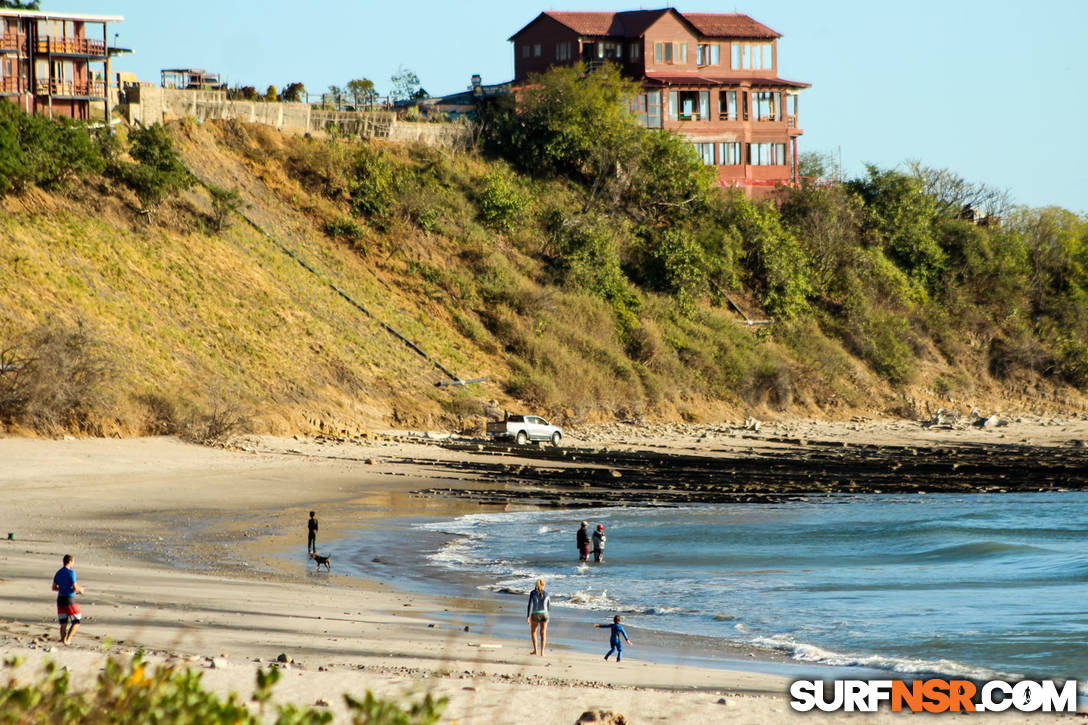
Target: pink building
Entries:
(711, 77)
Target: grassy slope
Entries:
(195, 318)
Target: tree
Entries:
(362, 92)
(16, 5)
(405, 85)
(293, 93)
(270, 94)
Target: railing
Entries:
(791, 120)
(12, 41)
(9, 85)
(71, 46)
(70, 88)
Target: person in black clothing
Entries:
(311, 535)
(583, 542)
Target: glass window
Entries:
(706, 152)
(524, 51)
(659, 52)
(668, 52)
(746, 55)
(767, 154)
(727, 105)
(683, 55)
(766, 105)
(736, 56)
(715, 54)
(729, 153)
(536, 50)
(653, 109)
(635, 51)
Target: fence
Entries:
(148, 105)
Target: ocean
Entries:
(980, 586)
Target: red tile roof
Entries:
(633, 23)
(729, 25)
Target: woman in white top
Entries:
(536, 614)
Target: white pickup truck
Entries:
(525, 428)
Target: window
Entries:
(689, 105)
(706, 152)
(729, 153)
(659, 52)
(708, 54)
(562, 51)
(683, 53)
(727, 106)
(765, 105)
(668, 52)
(524, 51)
(753, 56)
(536, 50)
(635, 51)
(767, 154)
(610, 50)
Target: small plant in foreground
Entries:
(134, 692)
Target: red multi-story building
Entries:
(711, 77)
(48, 61)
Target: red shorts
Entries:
(68, 611)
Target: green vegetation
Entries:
(135, 693)
(586, 265)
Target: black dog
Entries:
(322, 560)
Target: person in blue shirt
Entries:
(614, 641)
(66, 587)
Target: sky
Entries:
(985, 88)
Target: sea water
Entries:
(979, 586)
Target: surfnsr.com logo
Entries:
(934, 695)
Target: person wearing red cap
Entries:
(598, 543)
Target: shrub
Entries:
(134, 693)
(37, 150)
(224, 203)
(158, 173)
(500, 200)
(54, 379)
(372, 184)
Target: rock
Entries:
(321, 703)
(282, 657)
(615, 474)
(371, 462)
(432, 625)
(606, 717)
(467, 628)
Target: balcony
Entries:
(72, 46)
(76, 89)
(12, 42)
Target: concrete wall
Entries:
(148, 105)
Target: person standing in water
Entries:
(536, 614)
(614, 639)
(311, 534)
(583, 542)
(598, 543)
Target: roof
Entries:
(729, 25)
(62, 16)
(633, 23)
(694, 79)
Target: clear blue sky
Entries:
(987, 88)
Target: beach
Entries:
(185, 552)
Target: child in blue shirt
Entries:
(614, 641)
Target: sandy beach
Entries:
(182, 550)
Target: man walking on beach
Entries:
(583, 542)
(66, 587)
(311, 534)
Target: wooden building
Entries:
(55, 64)
(711, 77)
